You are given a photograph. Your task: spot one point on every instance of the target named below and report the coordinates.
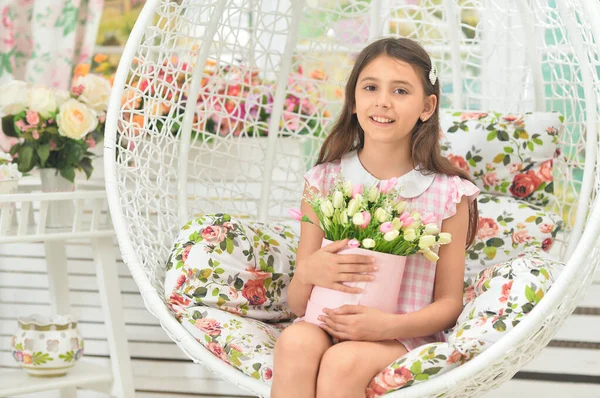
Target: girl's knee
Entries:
(302, 340)
(339, 361)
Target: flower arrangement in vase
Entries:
(379, 223)
(55, 128)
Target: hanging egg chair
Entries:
(168, 159)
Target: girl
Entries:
(388, 128)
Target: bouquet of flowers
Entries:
(378, 222)
(375, 219)
(55, 128)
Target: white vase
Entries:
(7, 210)
(60, 212)
(47, 347)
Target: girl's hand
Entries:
(328, 269)
(357, 323)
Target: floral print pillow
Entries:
(505, 154)
(498, 300)
(508, 226)
(240, 267)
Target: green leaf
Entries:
(68, 173)
(500, 326)
(503, 135)
(229, 245)
(256, 366)
(508, 149)
(238, 284)
(86, 165)
(495, 242)
(432, 371)
(492, 135)
(530, 294)
(8, 126)
(490, 252)
(200, 292)
(43, 152)
(215, 292)
(25, 158)
(416, 368)
(422, 376)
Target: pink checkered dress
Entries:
(424, 193)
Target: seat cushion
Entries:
(240, 267)
(507, 227)
(505, 154)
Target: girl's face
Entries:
(390, 99)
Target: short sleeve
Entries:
(322, 176)
(458, 188)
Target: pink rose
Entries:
(180, 281)
(545, 173)
(254, 291)
(232, 293)
(389, 379)
(228, 225)
(515, 168)
(35, 134)
(510, 118)
(32, 118)
(218, 351)
(505, 292)
(258, 274)
(454, 357)
(353, 243)
(178, 302)
(211, 327)
(267, 373)
(367, 217)
(490, 179)
(547, 244)
(521, 236)
(459, 162)
(524, 184)
(185, 253)
(469, 294)
(91, 143)
(214, 234)
(487, 228)
(546, 228)
(472, 115)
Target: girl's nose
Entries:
(383, 100)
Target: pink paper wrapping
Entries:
(382, 293)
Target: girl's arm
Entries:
(448, 290)
(311, 238)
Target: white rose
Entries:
(75, 119)
(14, 97)
(61, 97)
(96, 91)
(42, 100)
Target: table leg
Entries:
(112, 307)
(58, 286)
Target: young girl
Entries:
(388, 128)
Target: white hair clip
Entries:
(433, 74)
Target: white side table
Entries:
(90, 220)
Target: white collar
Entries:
(412, 184)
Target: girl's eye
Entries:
(400, 91)
(370, 88)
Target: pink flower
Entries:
(505, 292)
(267, 373)
(214, 234)
(521, 236)
(367, 217)
(469, 294)
(211, 327)
(353, 243)
(180, 281)
(428, 218)
(91, 143)
(404, 216)
(386, 185)
(547, 244)
(218, 351)
(21, 125)
(78, 90)
(52, 145)
(35, 134)
(295, 214)
(357, 189)
(232, 293)
(546, 228)
(490, 179)
(186, 253)
(487, 228)
(385, 227)
(515, 168)
(33, 118)
(454, 357)
(545, 173)
(472, 115)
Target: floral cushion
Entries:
(243, 268)
(508, 226)
(505, 154)
(243, 343)
(501, 296)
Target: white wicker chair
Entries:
(522, 55)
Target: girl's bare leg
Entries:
(348, 367)
(298, 352)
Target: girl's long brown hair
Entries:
(347, 135)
